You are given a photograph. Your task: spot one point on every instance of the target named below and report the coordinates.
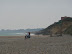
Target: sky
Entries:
(24, 14)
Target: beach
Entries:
(36, 45)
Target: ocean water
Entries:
(14, 34)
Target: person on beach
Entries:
(27, 35)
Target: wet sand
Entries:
(36, 45)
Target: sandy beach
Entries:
(36, 45)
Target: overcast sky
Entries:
(23, 14)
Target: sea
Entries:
(14, 34)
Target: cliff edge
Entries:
(63, 26)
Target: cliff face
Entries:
(68, 30)
(58, 27)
